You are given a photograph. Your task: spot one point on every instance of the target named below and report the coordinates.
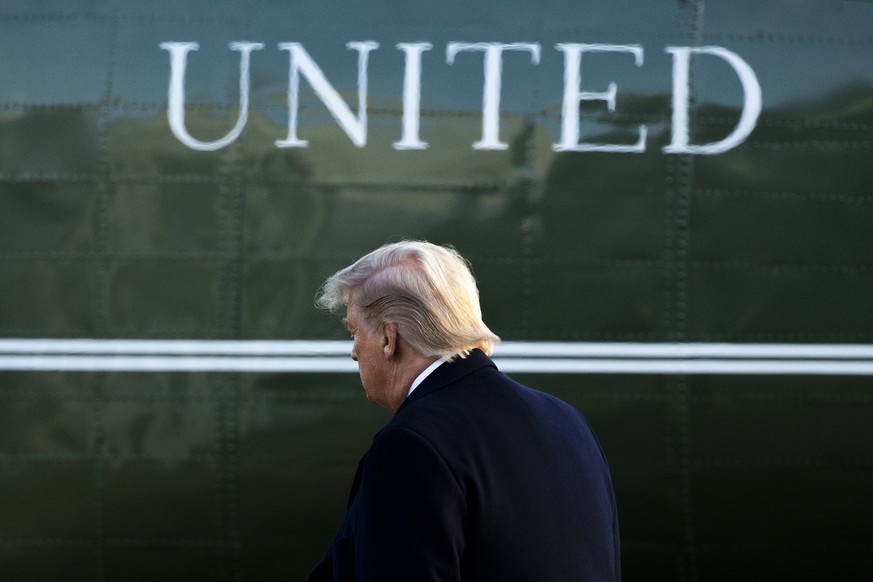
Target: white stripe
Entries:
(502, 350)
(92, 363)
(671, 366)
(178, 347)
(683, 350)
(329, 356)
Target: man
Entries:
(476, 477)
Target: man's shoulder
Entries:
(484, 397)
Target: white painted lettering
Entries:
(573, 94)
(752, 102)
(493, 79)
(176, 105)
(301, 63)
(354, 124)
(412, 96)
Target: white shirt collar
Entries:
(424, 374)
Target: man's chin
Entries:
(371, 399)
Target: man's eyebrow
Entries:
(345, 322)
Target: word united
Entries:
(354, 124)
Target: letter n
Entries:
(302, 64)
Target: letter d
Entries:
(751, 101)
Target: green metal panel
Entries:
(111, 227)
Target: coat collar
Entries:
(448, 373)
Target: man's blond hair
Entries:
(426, 290)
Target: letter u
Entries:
(176, 105)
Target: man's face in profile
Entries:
(369, 352)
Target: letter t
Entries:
(491, 91)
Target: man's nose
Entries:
(354, 354)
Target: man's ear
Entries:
(389, 340)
